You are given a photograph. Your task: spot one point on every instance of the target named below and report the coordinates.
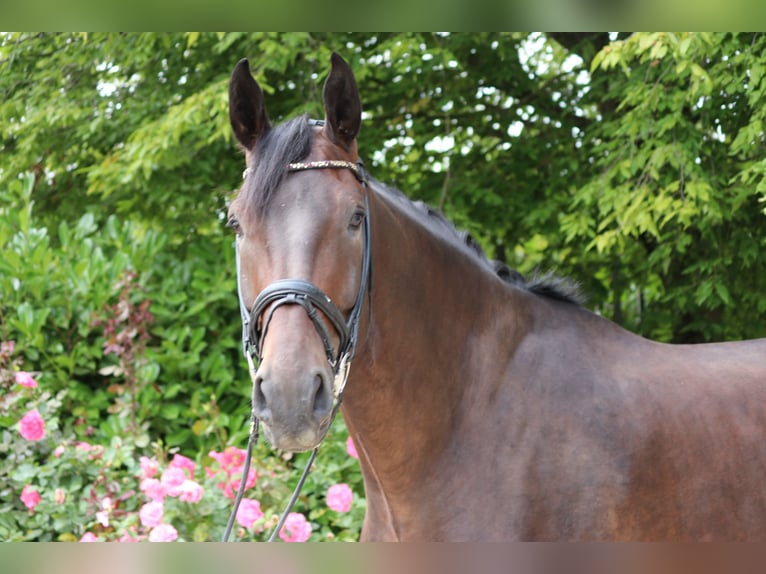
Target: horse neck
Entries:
(414, 364)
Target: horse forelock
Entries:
(286, 143)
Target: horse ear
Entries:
(247, 112)
(342, 106)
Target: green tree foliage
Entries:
(632, 163)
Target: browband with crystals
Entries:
(321, 164)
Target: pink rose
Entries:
(231, 487)
(339, 497)
(88, 537)
(96, 449)
(26, 380)
(151, 514)
(59, 450)
(149, 466)
(231, 460)
(126, 537)
(249, 512)
(59, 496)
(32, 426)
(30, 497)
(180, 461)
(351, 448)
(163, 533)
(102, 517)
(296, 528)
(172, 478)
(154, 489)
(190, 491)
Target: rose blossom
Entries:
(163, 533)
(154, 489)
(96, 449)
(26, 380)
(180, 461)
(296, 528)
(339, 497)
(59, 450)
(30, 497)
(126, 537)
(88, 537)
(249, 511)
(32, 426)
(231, 487)
(149, 466)
(190, 491)
(351, 448)
(151, 514)
(59, 496)
(231, 460)
(172, 478)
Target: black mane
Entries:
(547, 284)
(291, 142)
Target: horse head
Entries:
(302, 239)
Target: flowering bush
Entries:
(57, 487)
(123, 405)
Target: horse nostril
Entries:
(322, 398)
(259, 399)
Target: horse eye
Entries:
(357, 219)
(233, 223)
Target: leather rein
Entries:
(255, 324)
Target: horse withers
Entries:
(483, 407)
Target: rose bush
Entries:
(69, 489)
(120, 389)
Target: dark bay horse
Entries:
(482, 407)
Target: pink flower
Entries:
(151, 514)
(126, 537)
(231, 460)
(154, 489)
(26, 380)
(149, 466)
(172, 478)
(30, 497)
(88, 537)
(249, 512)
(180, 461)
(32, 426)
(351, 448)
(296, 528)
(96, 449)
(163, 533)
(231, 487)
(102, 517)
(59, 450)
(190, 491)
(7, 347)
(339, 497)
(59, 496)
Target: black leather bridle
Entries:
(255, 325)
(255, 322)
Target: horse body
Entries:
(536, 419)
(482, 410)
